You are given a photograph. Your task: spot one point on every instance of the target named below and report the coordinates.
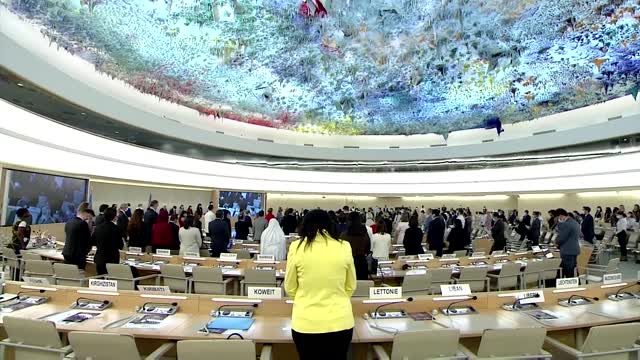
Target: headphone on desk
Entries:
(235, 334)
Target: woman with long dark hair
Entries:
(358, 236)
(135, 229)
(320, 278)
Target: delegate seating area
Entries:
(489, 332)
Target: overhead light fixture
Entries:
(457, 198)
(540, 196)
(20, 84)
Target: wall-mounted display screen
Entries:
(235, 201)
(49, 198)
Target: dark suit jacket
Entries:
(497, 233)
(568, 237)
(150, 218)
(77, 242)
(99, 219)
(435, 235)
(534, 233)
(242, 229)
(108, 240)
(123, 223)
(587, 228)
(289, 224)
(220, 236)
(527, 220)
(413, 241)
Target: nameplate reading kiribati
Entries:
(385, 293)
(608, 279)
(264, 292)
(567, 283)
(103, 285)
(154, 289)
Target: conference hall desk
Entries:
(273, 317)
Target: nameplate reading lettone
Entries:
(228, 256)
(611, 278)
(385, 293)
(165, 252)
(455, 290)
(264, 292)
(567, 283)
(103, 285)
(154, 289)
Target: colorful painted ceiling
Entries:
(357, 66)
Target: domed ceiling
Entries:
(357, 66)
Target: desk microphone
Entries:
(517, 302)
(458, 302)
(144, 306)
(580, 297)
(105, 302)
(41, 291)
(626, 287)
(375, 313)
(218, 313)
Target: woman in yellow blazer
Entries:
(320, 279)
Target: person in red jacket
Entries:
(321, 11)
(162, 234)
(269, 215)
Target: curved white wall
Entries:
(32, 141)
(26, 52)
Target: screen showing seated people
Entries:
(235, 201)
(49, 198)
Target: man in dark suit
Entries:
(150, 218)
(497, 233)
(568, 242)
(220, 235)
(100, 218)
(435, 234)
(108, 240)
(588, 231)
(77, 239)
(534, 232)
(526, 218)
(123, 220)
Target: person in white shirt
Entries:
(381, 242)
(190, 238)
(208, 217)
(273, 241)
(621, 233)
(401, 227)
(460, 216)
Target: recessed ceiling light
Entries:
(83, 114)
(117, 132)
(20, 84)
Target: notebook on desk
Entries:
(230, 323)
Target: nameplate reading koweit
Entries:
(385, 293)
(264, 292)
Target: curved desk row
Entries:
(273, 317)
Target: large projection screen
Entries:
(50, 198)
(235, 201)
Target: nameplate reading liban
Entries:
(455, 289)
(35, 280)
(567, 283)
(228, 256)
(428, 256)
(266, 258)
(531, 297)
(133, 249)
(164, 252)
(385, 293)
(611, 278)
(103, 285)
(264, 292)
(154, 289)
